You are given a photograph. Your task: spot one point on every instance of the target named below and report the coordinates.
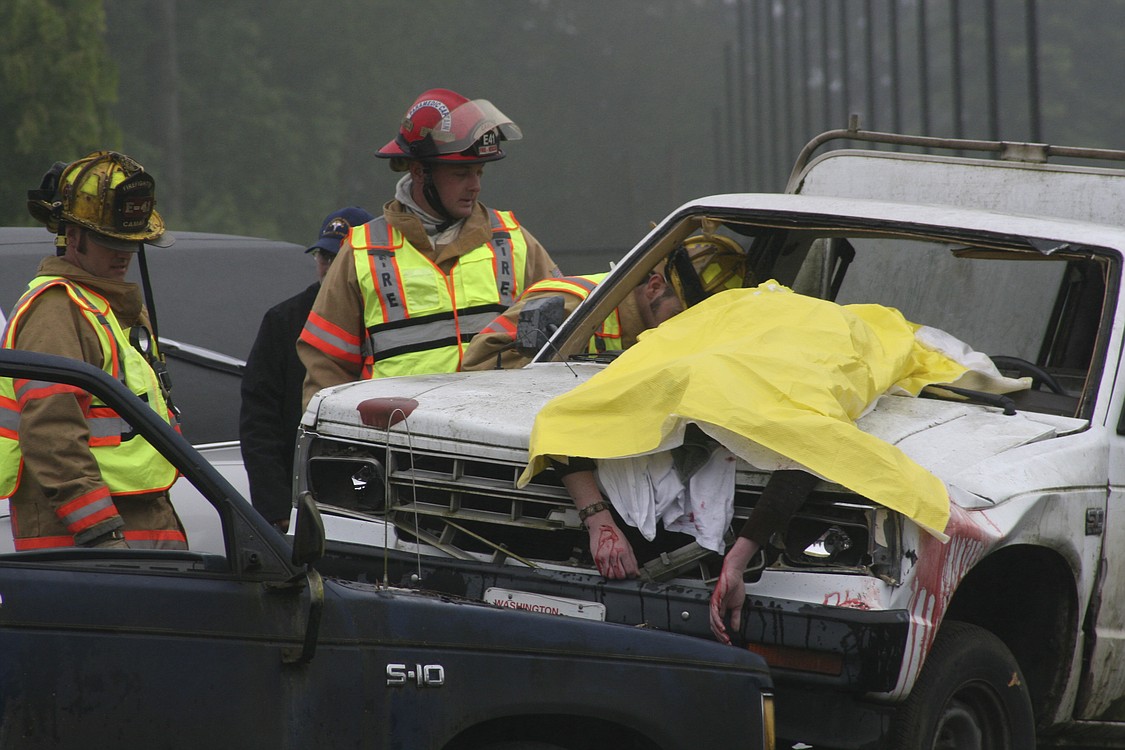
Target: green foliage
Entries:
(261, 116)
(57, 85)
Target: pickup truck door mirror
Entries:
(308, 536)
(538, 320)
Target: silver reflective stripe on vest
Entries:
(473, 323)
(388, 284)
(584, 283)
(103, 427)
(118, 365)
(394, 308)
(76, 291)
(421, 334)
(9, 419)
(505, 263)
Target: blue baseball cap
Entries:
(336, 226)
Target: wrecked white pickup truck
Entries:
(878, 634)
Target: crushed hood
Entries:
(489, 415)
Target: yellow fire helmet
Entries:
(705, 264)
(106, 192)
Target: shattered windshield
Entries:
(1037, 309)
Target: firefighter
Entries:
(713, 262)
(75, 473)
(411, 288)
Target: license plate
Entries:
(552, 605)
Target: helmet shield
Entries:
(473, 130)
(468, 132)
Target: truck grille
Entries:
(469, 509)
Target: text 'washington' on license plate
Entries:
(552, 605)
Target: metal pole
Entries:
(869, 61)
(806, 104)
(771, 98)
(758, 145)
(729, 173)
(896, 103)
(991, 75)
(845, 89)
(717, 146)
(923, 70)
(743, 103)
(955, 63)
(785, 70)
(824, 64)
(1033, 71)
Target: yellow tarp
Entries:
(785, 371)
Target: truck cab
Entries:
(877, 633)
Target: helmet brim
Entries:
(154, 233)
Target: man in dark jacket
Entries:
(271, 385)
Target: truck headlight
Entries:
(357, 484)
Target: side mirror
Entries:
(539, 319)
(308, 537)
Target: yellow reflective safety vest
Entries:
(417, 318)
(128, 463)
(608, 335)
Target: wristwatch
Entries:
(590, 510)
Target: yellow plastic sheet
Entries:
(788, 372)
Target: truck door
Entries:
(162, 648)
(1103, 684)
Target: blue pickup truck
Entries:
(246, 644)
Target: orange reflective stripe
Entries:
(502, 326)
(141, 539)
(505, 220)
(81, 298)
(503, 259)
(87, 510)
(361, 236)
(576, 285)
(115, 356)
(9, 418)
(331, 339)
(362, 239)
(155, 535)
(42, 542)
(104, 425)
(388, 285)
(27, 390)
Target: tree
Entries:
(57, 88)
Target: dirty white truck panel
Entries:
(878, 634)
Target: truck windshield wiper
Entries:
(991, 399)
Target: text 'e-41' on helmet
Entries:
(443, 126)
(106, 192)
